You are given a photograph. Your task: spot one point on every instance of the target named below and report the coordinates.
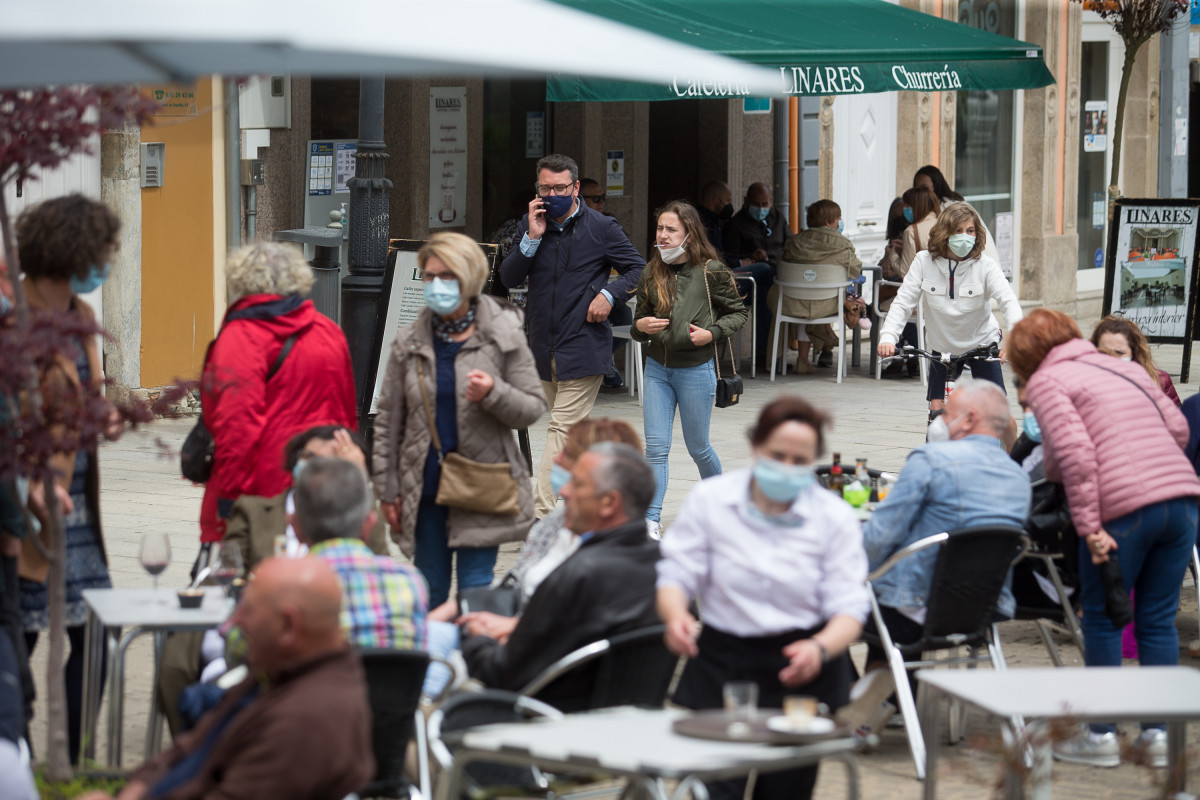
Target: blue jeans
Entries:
(693, 390)
(1154, 544)
(980, 370)
(435, 558)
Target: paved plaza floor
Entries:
(879, 420)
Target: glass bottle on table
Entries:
(837, 479)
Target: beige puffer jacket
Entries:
(485, 429)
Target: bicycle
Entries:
(953, 365)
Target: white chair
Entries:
(917, 317)
(633, 361)
(811, 282)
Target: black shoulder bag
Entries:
(729, 388)
(196, 455)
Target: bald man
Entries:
(965, 481)
(299, 726)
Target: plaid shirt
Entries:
(384, 602)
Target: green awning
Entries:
(819, 46)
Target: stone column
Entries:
(1048, 253)
(120, 162)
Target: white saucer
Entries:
(811, 725)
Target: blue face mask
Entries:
(841, 226)
(758, 213)
(296, 470)
(442, 295)
(557, 206)
(908, 215)
(781, 483)
(559, 476)
(92, 281)
(1032, 429)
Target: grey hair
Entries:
(557, 162)
(622, 469)
(332, 500)
(267, 268)
(988, 400)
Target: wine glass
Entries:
(229, 566)
(154, 556)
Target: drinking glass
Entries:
(741, 699)
(229, 566)
(155, 555)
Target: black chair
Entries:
(960, 609)
(633, 668)
(629, 669)
(394, 679)
(1034, 606)
(470, 709)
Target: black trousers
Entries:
(10, 622)
(725, 657)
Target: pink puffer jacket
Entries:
(1103, 437)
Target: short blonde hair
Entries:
(267, 268)
(462, 255)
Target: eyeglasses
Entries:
(562, 190)
(594, 198)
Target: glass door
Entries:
(1099, 80)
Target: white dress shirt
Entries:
(756, 576)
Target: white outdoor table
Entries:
(637, 744)
(136, 610)
(1087, 694)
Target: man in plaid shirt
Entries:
(384, 602)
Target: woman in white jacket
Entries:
(956, 281)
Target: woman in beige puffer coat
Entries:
(479, 377)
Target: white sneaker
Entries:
(1093, 749)
(1151, 744)
(868, 697)
(654, 529)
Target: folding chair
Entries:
(917, 317)
(960, 610)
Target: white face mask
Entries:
(938, 430)
(672, 255)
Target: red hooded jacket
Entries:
(251, 418)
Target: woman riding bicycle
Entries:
(956, 282)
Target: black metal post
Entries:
(369, 197)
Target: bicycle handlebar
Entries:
(987, 352)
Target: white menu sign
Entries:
(447, 156)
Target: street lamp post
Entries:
(370, 193)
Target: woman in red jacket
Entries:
(277, 368)
(1115, 441)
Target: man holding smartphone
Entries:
(568, 251)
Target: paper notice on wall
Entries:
(320, 168)
(1003, 231)
(1095, 126)
(614, 173)
(447, 156)
(1181, 136)
(344, 167)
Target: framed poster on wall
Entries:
(402, 300)
(1150, 271)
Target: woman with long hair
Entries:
(1115, 441)
(956, 281)
(687, 307)
(1122, 338)
(931, 179)
(924, 209)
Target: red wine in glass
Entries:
(155, 555)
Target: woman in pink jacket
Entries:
(1115, 441)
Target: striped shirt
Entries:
(384, 602)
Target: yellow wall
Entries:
(179, 254)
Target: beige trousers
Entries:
(569, 401)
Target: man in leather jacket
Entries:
(605, 588)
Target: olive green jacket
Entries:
(672, 347)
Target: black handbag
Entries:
(196, 455)
(729, 388)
